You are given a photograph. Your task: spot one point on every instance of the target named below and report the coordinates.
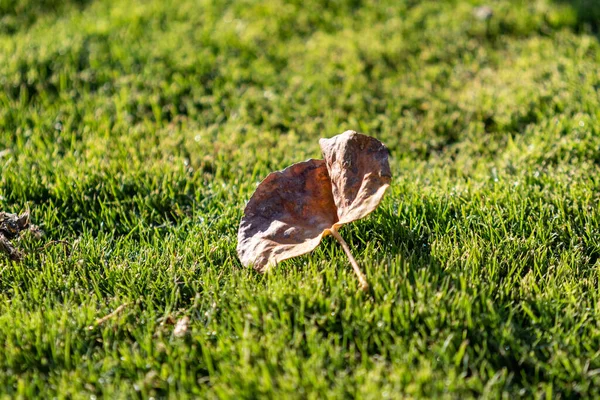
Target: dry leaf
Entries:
(287, 215)
(293, 209)
(7, 248)
(11, 225)
(182, 327)
(360, 173)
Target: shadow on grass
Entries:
(588, 14)
(19, 15)
(406, 255)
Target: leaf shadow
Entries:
(388, 234)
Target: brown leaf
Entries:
(293, 209)
(287, 215)
(359, 171)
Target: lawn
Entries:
(135, 132)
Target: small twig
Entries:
(116, 312)
(362, 279)
(53, 242)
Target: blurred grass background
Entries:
(136, 131)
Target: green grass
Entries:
(135, 131)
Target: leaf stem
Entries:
(362, 279)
